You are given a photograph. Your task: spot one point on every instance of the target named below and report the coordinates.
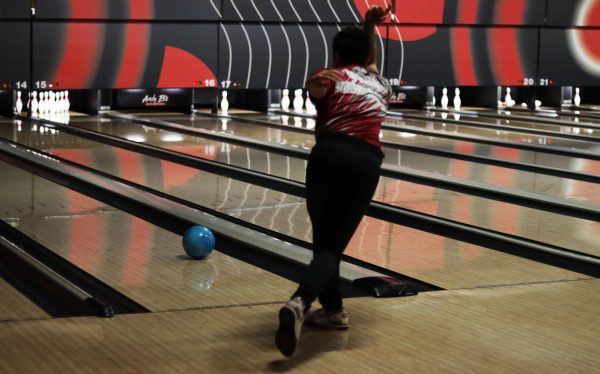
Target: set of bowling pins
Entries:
(299, 103)
(456, 101)
(49, 102)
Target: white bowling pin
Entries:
(444, 100)
(298, 100)
(285, 99)
(457, 101)
(538, 104)
(508, 101)
(34, 102)
(224, 102)
(60, 101)
(67, 102)
(52, 105)
(577, 98)
(19, 104)
(42, 104)
(47, 100)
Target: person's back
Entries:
(355, 105)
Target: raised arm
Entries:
(374, 16)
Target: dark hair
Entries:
(352, 45)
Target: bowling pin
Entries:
(47, 101)
(457, 101)
(60, 104)
(42, 104)
(67, 102)
(19, 102)
(285, 100)
(298, 100)
(508, 101)
(444, 100)
(538, 104)
(577, 98)
(310, 107)
(52, 105)
(34, 102)
(224, 102)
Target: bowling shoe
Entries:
(336, 320)
(291, 318)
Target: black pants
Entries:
(341, 178)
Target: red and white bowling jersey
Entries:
(356, 105)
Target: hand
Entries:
(322, 77)
(377, 15)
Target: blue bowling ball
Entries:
(198, 242)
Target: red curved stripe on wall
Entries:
(590, 39)
(593, 16)
(83, 46)
(504, 43)
(136, 45)
(141, 9)
(462, 53)
(181, 69)
(410, 33)
(88, 9)
(420, 11)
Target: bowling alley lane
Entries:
(142, 261)
(434, 259)
(572, 117)
(518, 120)
(503, 135)
(249, 202)
(14, 306)
(287, 167)
(461, 146)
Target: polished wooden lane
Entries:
(556, 229)
(519, 120)
(542, 328)
(14, 306)
(144, 262)
(434, 259)
(471, 171)
(466, 146)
